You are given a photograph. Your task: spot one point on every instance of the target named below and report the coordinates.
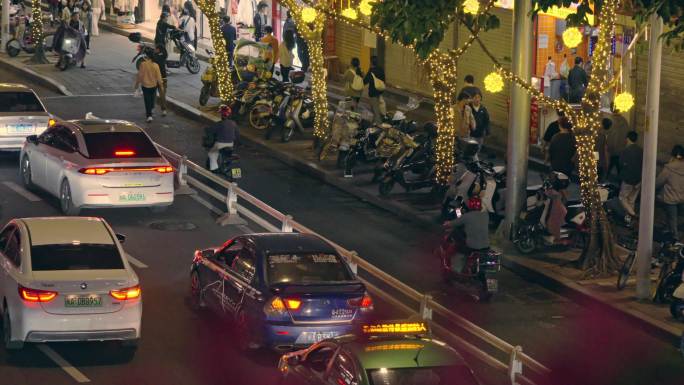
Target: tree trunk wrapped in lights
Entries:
(37, 33)
(310, 24)
(221, 67)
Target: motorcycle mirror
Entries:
(134, 37)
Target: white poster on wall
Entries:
(369, 39)
(543, 41)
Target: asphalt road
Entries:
(584, 345)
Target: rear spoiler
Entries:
(318, 288)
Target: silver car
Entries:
(97, 163)
(21, 114)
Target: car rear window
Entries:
(437, 375)
(86, 256)
(22, 101)
(106, 145)
(306, 268)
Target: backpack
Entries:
(357, 82)
(379, 84)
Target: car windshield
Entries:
(438, 375)
(22, 101)
(106, 145)
(76, 256)
(306, 268)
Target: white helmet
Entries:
(398, 116)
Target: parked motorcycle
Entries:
(479, 270)
(261, 114)
(344, 126)
(186, 56)
(22, 40)
(300, 114)
(677, 304)
(415, 168)
(671, 268)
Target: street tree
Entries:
(421, 27)
(37, 35)
(220, 61)
(310, 24)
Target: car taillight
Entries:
(36, 295)
(129, 293)
(275, 306)
(95, 171)
(164, 169)
(364, 303)
(124, 153)
(293, 303)
(106, 170)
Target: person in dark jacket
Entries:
(469, 87)
(376, 100)
(260, 21)
(552, 129)
(161, 32)
(577, 81)
(630, 174)
(224, 134)
(481, 117)
(160, 57)
(229, 35)
(670, 181)
(302, 50)
(562, 149)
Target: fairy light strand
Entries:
(220, 62)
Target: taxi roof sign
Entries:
(391, 328)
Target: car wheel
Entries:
(65, 200)
(196, 301)
(7, 333)
(26, 173)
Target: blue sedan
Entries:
(282, 290)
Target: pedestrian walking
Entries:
(289, 24)
(630, 165)
(551, 130)
(66, 11)
(481, 119)
(54, 10)
(671, 182)
(160, 56)
(286, 57)
(260, 21)
(564, 73)
(229, 35)
(375, 79)
(98, 13)
(469, 86)
(86, 17)
(466, 121)
(302, 51)
(273, 42)
(562, 149)
(149, 79)
(616, 128)
(353, 81)
(550, 74)
(577, 81)
(161, 32)
(188, 26)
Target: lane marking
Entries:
(135, 261)
(22, 191)
(64, 364)
(207, 204)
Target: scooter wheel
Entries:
(386, 185)
(204, 95)
(483, 295)
(13, 47)
(525, 243)
(63, 64)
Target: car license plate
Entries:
(492, 285)
(131, 197)
(236, 173)
(82, 301)
(320, 336)
(20, 128)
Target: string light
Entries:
(350, 13)
(572, 37)
(624, 102)
(471, 6)
(220, 62)
(308, 14)
(366, 7)
(37, 24)
(494, 82)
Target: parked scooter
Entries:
(414, 169)
(300, 114)
(22, 40)
(71, 47)
(186, 56)
(344, 126)
(479, 269)
(262, 112)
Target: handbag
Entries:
(357, 83)
(379, 84)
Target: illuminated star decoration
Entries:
(308, 15)
(350, 13)
(494, 82)
(471, 6)
(366, 7)
(572, 37)
(624, 102)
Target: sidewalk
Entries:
(109, 71)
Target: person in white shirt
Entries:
(98, 12)
(550, 73)
(187, 24)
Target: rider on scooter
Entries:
(220, 135)
(475, 224)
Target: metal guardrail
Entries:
(516, 358)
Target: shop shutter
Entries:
(348, 43)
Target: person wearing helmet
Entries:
(474, 222)
(220, 135)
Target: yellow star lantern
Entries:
(349, 13)
(494, 82)
(366, 7)
(624, 102)
(471, 6)
(572, 37)
(308, 14)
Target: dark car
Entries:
(395, 353)
(283, 290)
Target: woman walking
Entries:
(353, 81)
(286, 56)
(149, 79)
(87, 20)
(671, 180)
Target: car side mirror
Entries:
(33, 139)
(121, 238)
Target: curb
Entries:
(582, 295)
(42, 80)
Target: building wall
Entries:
(671, 126)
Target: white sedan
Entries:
(21, 114)
(66, 279)
(97, 163)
